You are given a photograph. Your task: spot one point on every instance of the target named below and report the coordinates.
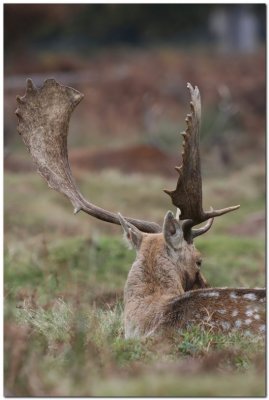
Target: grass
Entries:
(227, 262)
(164, 385)
(64, 279)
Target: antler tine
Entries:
(43, 122)
(217, 213)
(203, 229)
(188, 193)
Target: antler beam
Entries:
(43, 122)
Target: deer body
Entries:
(157, 295)
(165, 288)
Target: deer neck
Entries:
(153, 273)
(151, 283)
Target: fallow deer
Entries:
(165, 288)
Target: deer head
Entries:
(175, 256)
(167, 264)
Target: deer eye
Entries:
(199, 263)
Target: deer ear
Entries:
(172, 231)
(131, 233)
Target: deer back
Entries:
(221, 309)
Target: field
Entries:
(64, 278)
(64, 274)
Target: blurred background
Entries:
(132, 62)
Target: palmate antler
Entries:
(188, 193)
(43, 121)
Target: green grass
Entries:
(64, 279)
(164, 385)
(233, 260)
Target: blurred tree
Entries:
(24, 22)
(88, 25)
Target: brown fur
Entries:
(159, 294)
